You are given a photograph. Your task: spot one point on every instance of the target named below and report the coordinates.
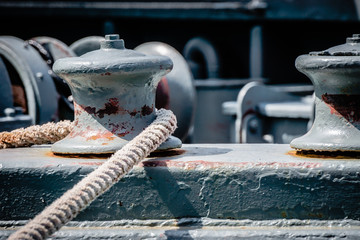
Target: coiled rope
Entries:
(68, 206)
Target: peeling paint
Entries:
(146, 110)
(345, 106)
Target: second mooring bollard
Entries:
(335, 74)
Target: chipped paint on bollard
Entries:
(114, 97)
(335, 74)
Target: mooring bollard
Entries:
(114, 97)
(335, 74)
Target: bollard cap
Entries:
(111, 59)
(344, 56)
(350, 48)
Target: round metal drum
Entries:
(180, 94)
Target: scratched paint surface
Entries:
(201, 228)
(220, 181)
(190, 156)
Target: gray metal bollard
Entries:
(114, 97)
(335, 74)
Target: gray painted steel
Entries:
(210, 126)
(270, 114)
(224, 181)
(201, 228)
(41, 95)
(335, 73)
(114, 97)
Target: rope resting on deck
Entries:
(68, 206)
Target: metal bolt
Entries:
(253, 125)
(9, 112)
(112, 41)
(39, 76)
(112, 37)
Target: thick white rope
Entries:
(68, 206)
(38, 134)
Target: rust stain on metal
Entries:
(191, 165)
(107, 135)
(324, 154)
(77, 110)
(146, 110)
(342, 105)
(105, 74)
(133, 112)
(90, 110)
(88, 163)
(111, 107)
(121, 129)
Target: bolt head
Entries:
(112, 37)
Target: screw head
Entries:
(112, 37)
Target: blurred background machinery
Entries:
(234, 78)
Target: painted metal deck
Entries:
(239, 190)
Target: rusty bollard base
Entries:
(114, 97)
(335, 74)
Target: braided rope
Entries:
(100, 180)
(38, 134)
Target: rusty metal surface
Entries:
(114, 97)
(335, 74)
(224, 181)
